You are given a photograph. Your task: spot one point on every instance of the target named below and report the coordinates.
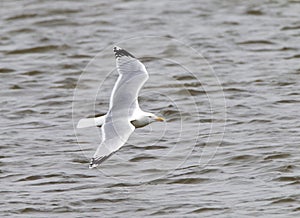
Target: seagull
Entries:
(124, 113)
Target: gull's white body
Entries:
(124, 114)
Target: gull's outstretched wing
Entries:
(115, 133)
(123, 103)
(132, 76)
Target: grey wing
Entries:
(115, 133)
(132, 76)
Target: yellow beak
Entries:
(160, 119)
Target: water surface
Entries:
(57, 66)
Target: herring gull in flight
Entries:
(124, 113)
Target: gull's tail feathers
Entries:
(90, 122)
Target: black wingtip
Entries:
(92, 163)
(119, 52)
(96, 161)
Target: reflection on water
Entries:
(185, 167)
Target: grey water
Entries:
(224, 74)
